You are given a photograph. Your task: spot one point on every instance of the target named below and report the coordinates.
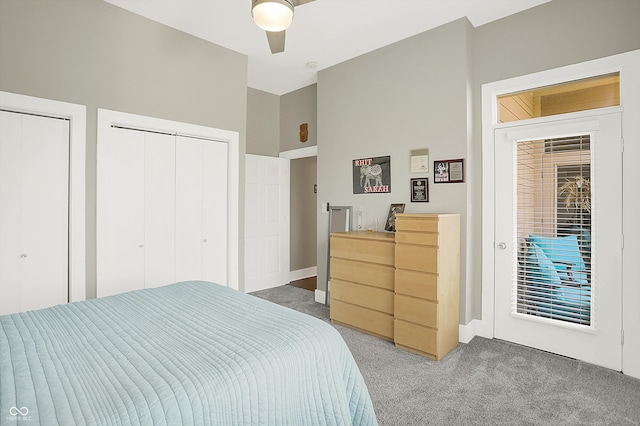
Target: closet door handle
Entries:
(23, 255)
(141, 245)
(204, 241)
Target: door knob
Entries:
(141, 245)
(502, 246)
(204, 241)
(23, 255)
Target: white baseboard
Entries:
(475, 328)
(467, 332)
(320, 296)
(303, 273)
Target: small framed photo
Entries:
(394, 209)
(420, 190)
(448, 171)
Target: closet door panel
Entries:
(10, 174)
(34, 233)
(189, 188)
(159, 221)
(214, 220)
(121, 212)
(45, 212)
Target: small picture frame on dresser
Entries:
(394, 209)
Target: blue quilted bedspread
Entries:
(192, 353)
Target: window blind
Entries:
(552, 228)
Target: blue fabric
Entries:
(564, 253)
(569, 303)
(540, 268)
(192, 353)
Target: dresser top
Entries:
(366, 235)
(427, 215)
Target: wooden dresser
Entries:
(402, 287)
(427, 283)
(362, 274)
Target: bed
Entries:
(191, 353)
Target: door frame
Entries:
(107, 118)
(628, 65)
(77, 116)
(294, 154)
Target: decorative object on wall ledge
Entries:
(394, 209)
(448, 171)
(372, 175)
(420, 190)
(304, 132)
(420, 161)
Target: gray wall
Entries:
(297, 107)
(92, 53)
(263, 123)
(405, 96)
(425, 92)
(303, 213)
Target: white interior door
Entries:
(121, 211)
(34, 212)
(266, 222)
(189, 173)
(201, 210)
(215, 217)
(549, 294)
(159, 209)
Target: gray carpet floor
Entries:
(484, 382)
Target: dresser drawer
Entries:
(417, 284)
(416, 224)
(417, 258)
(364, 319)
(362, 295)
(364, 273)
(423, 238)
(416, 337)
(420, 311)
(365, 250)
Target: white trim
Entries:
(77, 115)
(301, 274)
(628, 64)
(309, 151)
(106, 118)
(466, 332)
(320, 296)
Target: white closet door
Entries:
(159, 217)
(189, 208)
(34, 212)
(120, 221)
(214, 206)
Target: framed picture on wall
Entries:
(372, 175)
(420, 190)
(448, 171)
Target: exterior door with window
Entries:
(558, 236)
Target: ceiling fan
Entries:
(275, 16)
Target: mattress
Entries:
(191, 353)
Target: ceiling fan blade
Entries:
(301, 2)
(276, 41)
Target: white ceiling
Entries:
(325, 31)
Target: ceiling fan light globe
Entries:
(272, 15)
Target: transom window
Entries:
(579, 95)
